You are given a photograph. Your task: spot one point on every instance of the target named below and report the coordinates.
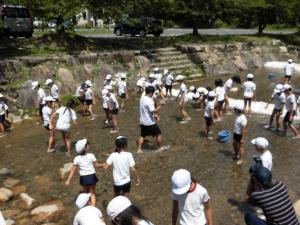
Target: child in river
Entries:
(209, 112)
(47, 113)
(249, 88)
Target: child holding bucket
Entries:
(209, 112)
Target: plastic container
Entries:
(272, 76)
(224, 136)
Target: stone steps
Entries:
(171, 63)
(171, 58)
(160, 50)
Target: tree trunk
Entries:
(195, 30)
(261, 27)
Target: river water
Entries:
(24, 152)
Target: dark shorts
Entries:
(208, 121)
(88, 180)
(47, 127)
(249, 100)
(2, 118)
(152, 130)
(89, 101)
(123, 95)
(81, 99)
(123, 188)
(237, 137)
(288, 77)
(106, 109)
(168, 87)
(287, 117)
(220, 104)
(41, 106)
(114, 112)
(276, 110)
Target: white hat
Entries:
(278, 88)
(82, 200)
(104, 92)
(250, 76)
(117, 205)
(287, 87)
(290, 61)
(1, 95)
(166, 71)
(212, 94)
(48, 81)
(108, 77)
(123, 75)
(143, 78)
(152, 75)
(34, 84)
(156, 69)
(239, 106)
(89, 83)
(180, 77)
(260, 142)
(202, 90)
(181, 181)
(192, 88)
(108, 87)
(80, 145)
(49, 99)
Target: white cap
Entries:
(34, 84)
(89, 83)
(278, 88)
(181, 181)
(49, 99)
(1, 95)
(212, 94)
(239, 106)
(192, 88)
(117, 205)
(287, 87)
(123, 75)
(48, 81)
(290, 61)
(250, 76)
(180, 77)
(80, 145)
(104, 92)
(152, 75)
(108, 77)
(156, 69)
(260, 142)
(143, 78)
(108, 87)
(82, 200)
(166, 71)
(202, 90)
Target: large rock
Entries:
(239, 63)
(65, 75)
(11, 213)
(5, 194)
(19, 189)
(41, 73)
(283, 49)
(88, 57)
(143, 63)
(65, 170)
(10, 222)
(11, 183)
(47, 213)
(84, 72)
(27, 96)
(25, 201)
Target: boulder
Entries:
(5, 194)
(239, 63)
(24, 221)
(84, 72)
(25, 201)
(198, 57)
(10, 182)
(11, 213)
(65, 75)
(297, 208)
(283, 49)
(41, 73)
(4, 171)
(10, 222)
(69, 60)
(47, 213)
(65, 170)
(143, 63)
(19, 189)
(88, 57)
(258, 61)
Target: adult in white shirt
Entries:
(249, 88)
(228, 85)
(148, 117)
(87, 214)
(113, 108)
(279, 100)
(122, 212)
(41, 95)
(47, 113)
(183, 99)
(53, 90)
(3, 115)
(288, 70)
(123, 165)
(66, 116)
(291, 106)
(220, 98)
(169, 84)
(122, 91)
(239, 132)
(190, 200)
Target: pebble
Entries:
(5, 194)
(25, 201)
(11, 213)
(65, 170)
(10, 183)
(47, 213)
(4, 171)
(19, 189)
(10, 222)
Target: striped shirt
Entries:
(276, 205)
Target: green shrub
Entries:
(65, 98)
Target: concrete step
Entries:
(178, 67)
(190, 70)
(171, 58)
(159, 50)
(171, 63)
(166, 53)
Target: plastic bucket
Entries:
(272, 76)
(224, 136)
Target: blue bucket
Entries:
(224, 136)
(272, 76)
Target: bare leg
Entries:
(67, 139)
(241, 151)
(114, 122)
(51, 140)
(277, 121)
(226, 104)
(235, 148)
(293, 128)
(159, 140)
(1, 129)
(272, 118)
(140, 144)
(92, 191)
(285, 128)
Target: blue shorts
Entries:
(2, 118)
(88, 180)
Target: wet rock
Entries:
(65, 170)
(65, 75)
(83, 72)
(4, 171)
(27, 96)
(11, 213)
(25, 201)
(239, 63)
(47, 213)
(41, 73)
(19, 189)
(10, 183)
(143, 63)
(283, 49)
(16, 119)
(5, 194)
(10, 222)
(297, 208)
(24, 221)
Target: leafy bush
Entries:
(65, 98)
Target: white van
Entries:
(15, 21)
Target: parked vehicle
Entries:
(15, 21)
(142, 27)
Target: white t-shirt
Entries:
(290, 103)
(220, 91)
(42, 95)
(121, 163)
(240, 123)
(266, 158)
(88, 94)
(288, 69)
(144, 222)
(146, 111)
(109, 83)
(183, 91)
(85, 164)
(153, 84)
(190, 205)
(54, 91)
(79, 91)
(228, 85)
(169, 79)
(122, 87)
(88, 215)
(112, 102)
(104, 101)
(249, 89)
(298, 100)
(65, 117)
(209, 106)
(141, 83)
(279, 100)
(2, 108)
(158, 78)
(47, 111)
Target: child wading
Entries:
(122, 91)
(41, 95)
(228, 85)
(66, 115)
(85, 162)
(113, 107)
(249, 92)
(122, 163)
(47, 113)
(3, 115)
(239, 133)
(220, 98)
(89, 98)
(209, 112)
(182, 93)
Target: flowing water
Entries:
(24, 151)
